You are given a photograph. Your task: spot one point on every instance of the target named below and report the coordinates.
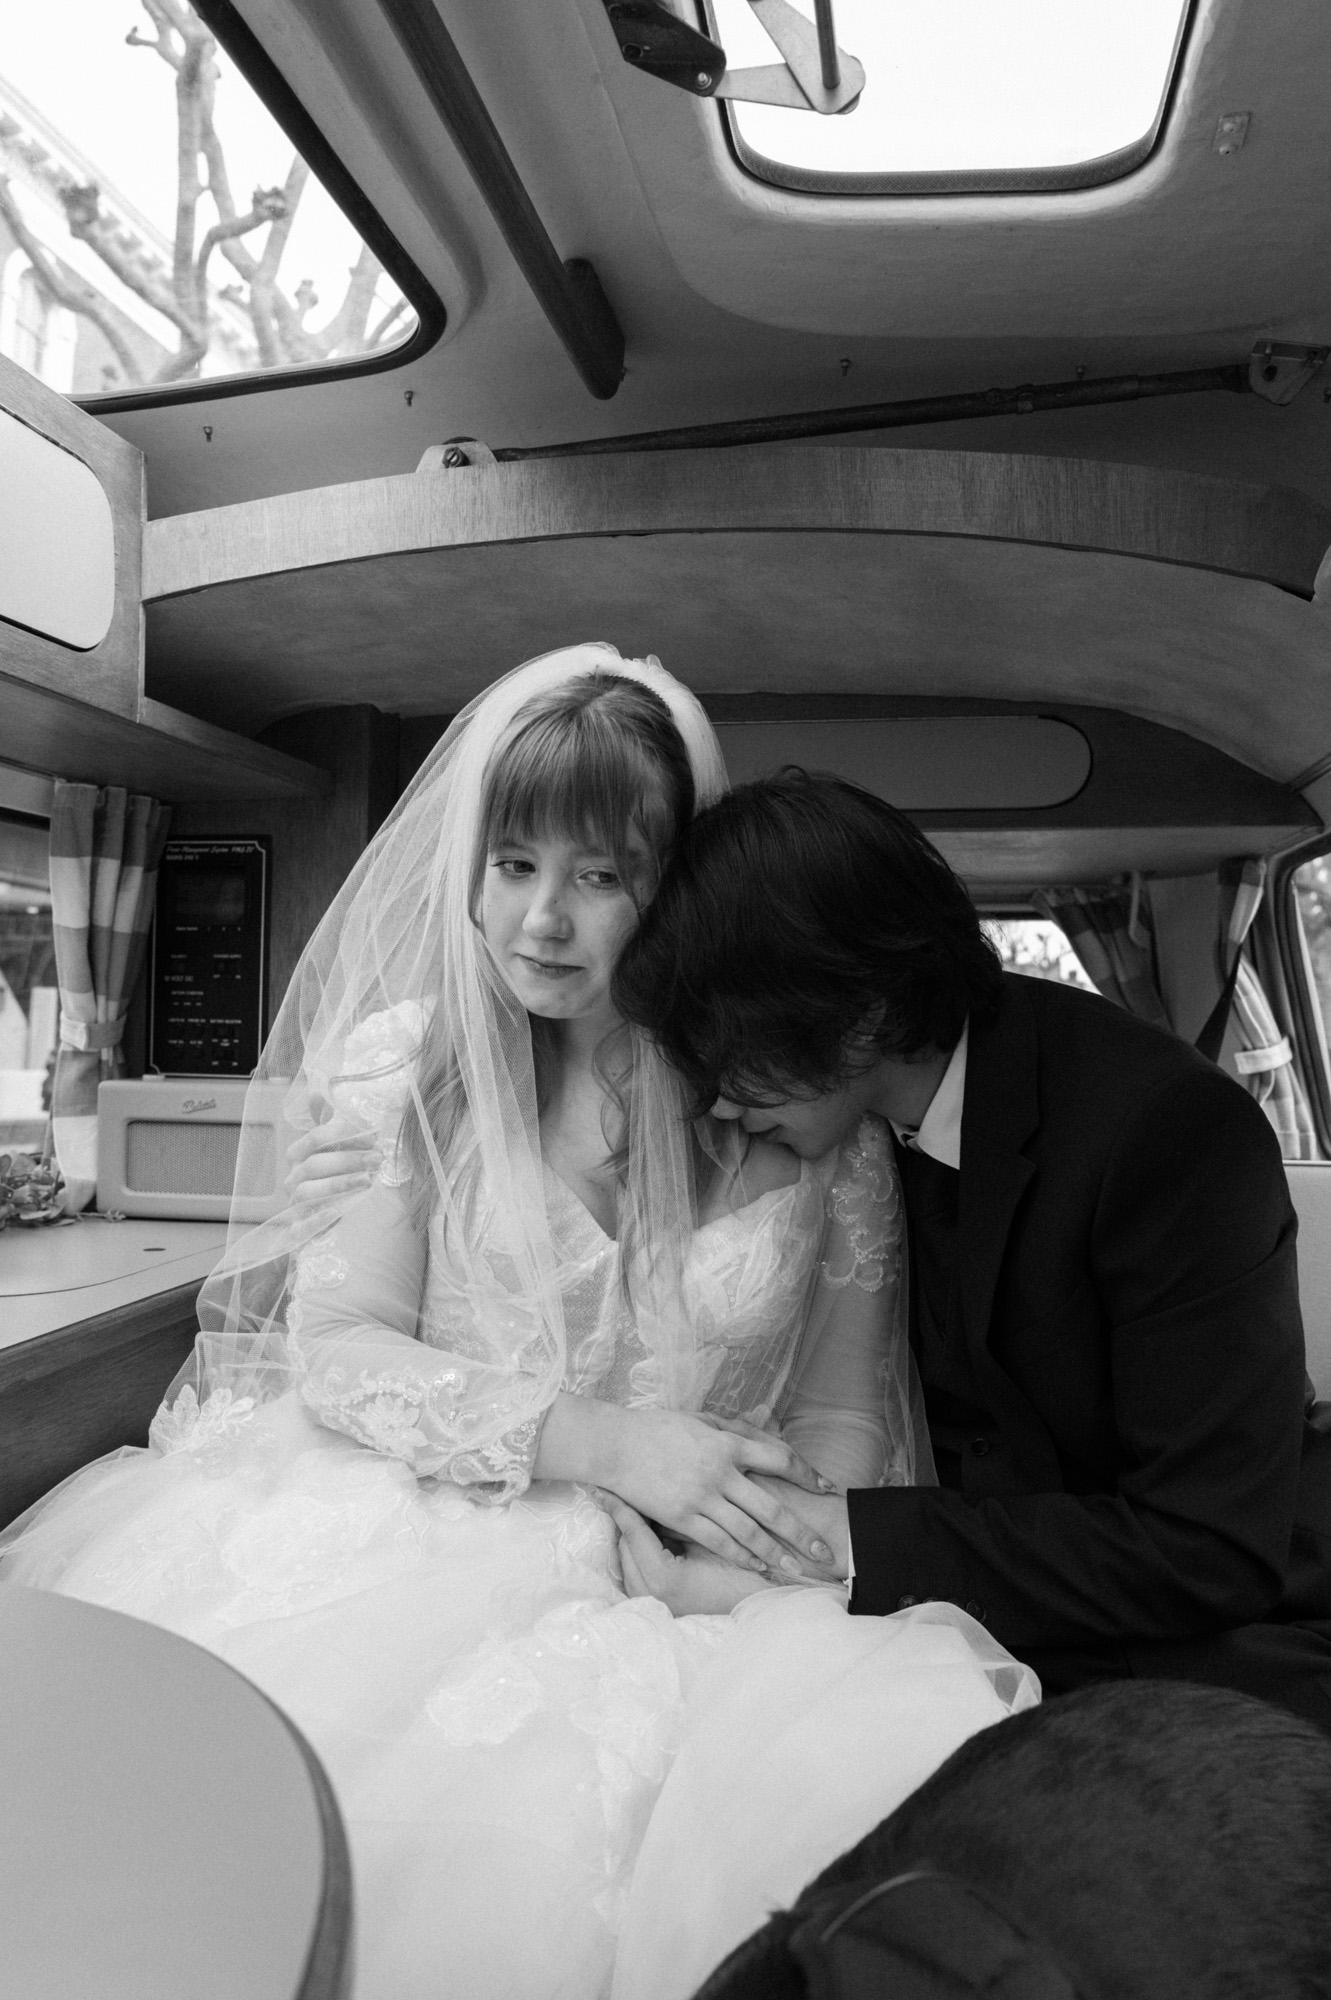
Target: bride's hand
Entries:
(689, 1475)
(331, 1160)
(694, 1581)
(692, 1476)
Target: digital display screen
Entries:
(210, 957)
(208, 896)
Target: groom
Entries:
(1104, 1303)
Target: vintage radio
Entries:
(169, 1146)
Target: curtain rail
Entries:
(1021, 401)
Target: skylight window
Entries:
(968, 95)
(158, 232)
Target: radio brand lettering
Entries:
(199, 1104)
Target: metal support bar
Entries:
(900, 416)
(569, 293)
(827, 48)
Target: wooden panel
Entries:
(1241, 665)
(955, 762)
(67, 1397)
(170, 755)
(1175, 517)
(1141, 773)
(109, 675)
(995, 860)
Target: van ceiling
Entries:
(741, 299)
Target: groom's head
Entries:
(804, 935)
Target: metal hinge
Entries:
(813, 75)
(1278, 372)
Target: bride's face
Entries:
(556, 914)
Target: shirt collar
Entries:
(939, 1131)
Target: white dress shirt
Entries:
(939, 1131)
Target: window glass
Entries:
(1035, 946)
(29, 1001)
(1312, 896)
(970, 92)
(155, 225)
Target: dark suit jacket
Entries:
(1126, 1287)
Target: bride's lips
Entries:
(547, 968)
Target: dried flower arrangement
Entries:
(30, 1190)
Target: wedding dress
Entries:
(497, 1718)
(550, 1788)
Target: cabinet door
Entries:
(71, 537)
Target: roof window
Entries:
(159, 234)
(968, 96)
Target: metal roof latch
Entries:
(1278, 371)
(813, 75)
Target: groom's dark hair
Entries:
(802, 930)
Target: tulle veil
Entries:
(397, 961)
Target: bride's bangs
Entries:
(598, 765)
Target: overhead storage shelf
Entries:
(829, 569)
(72, 702)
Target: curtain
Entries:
(1262, 1056)
(105, 850)
(1109, 928)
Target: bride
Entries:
(382, 1488)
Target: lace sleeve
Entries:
(854, 1409)
(352, 1325)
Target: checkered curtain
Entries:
(1262, 1056)
(1109, 928)
(105, 850)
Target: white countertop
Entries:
(65, 1272)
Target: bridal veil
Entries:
(397, 981)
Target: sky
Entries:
(117, 105)
(951, 83)
(971, 83)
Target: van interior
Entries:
(943, 399)
(678, 344)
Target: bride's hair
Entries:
(598, 759)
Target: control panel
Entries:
(210, 957)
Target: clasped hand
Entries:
(695, 1580)
(692, 1475)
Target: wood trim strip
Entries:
(1268, 533)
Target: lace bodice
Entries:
(788, 1298)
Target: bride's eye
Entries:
(513, 866)
(602, 878)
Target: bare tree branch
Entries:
(58, 290)
(378, 334)
(281, 336)
(345, 332)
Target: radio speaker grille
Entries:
(163, 1156)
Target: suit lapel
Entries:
(999, 1115)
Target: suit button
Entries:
(980, 1447)
(905, 1603)
(975, 1610)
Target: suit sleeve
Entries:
(1192, 1265)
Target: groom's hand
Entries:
(331, 1161)
(825, 1514)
